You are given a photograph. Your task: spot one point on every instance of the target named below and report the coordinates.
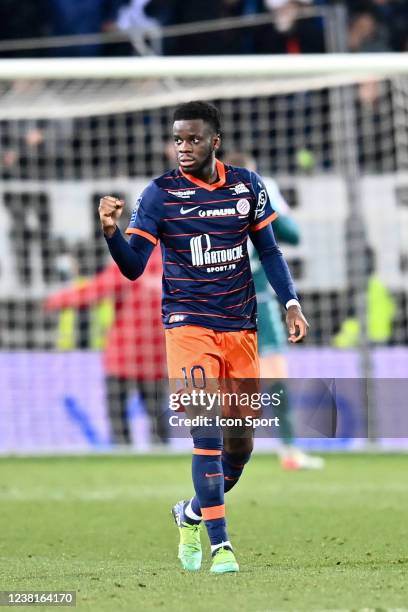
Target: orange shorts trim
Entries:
(206, 451)
(214, 512)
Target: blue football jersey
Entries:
(203, 231)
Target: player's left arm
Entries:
(273, 262)
(278, 275)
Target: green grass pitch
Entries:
(329, 540)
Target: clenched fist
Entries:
(110, 209)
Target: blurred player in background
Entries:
(203, 213)
(134, 357)
(272, 340)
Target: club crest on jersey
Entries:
(243, 206)
(261, 203)
(203, 254)
(240, 188)
(183, 194)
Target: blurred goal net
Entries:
(332, 130)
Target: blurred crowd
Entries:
(148, 26)
(96, 147)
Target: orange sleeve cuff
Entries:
(258, 226)
(150, 237)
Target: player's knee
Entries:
(207, 437)
(208, 443)
(239, 446)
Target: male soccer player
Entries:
(203, 214)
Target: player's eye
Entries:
(196, 140)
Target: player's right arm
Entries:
(131, 257)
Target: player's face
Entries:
(196, 143)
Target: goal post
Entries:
(74, 87)
(376, 64)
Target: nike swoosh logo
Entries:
(212, 475)
(184, 211)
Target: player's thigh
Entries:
(241, 385)
(240, 441)
(241, 355)
(241, 405)
(194, 367)
(193, 358)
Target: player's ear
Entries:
(217, 142)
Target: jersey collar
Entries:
(209, 186)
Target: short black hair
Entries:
(199, 110)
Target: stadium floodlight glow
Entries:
(206, 66)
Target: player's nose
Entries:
(185, 146)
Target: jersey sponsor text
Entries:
(205, 255)
(217, 212)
